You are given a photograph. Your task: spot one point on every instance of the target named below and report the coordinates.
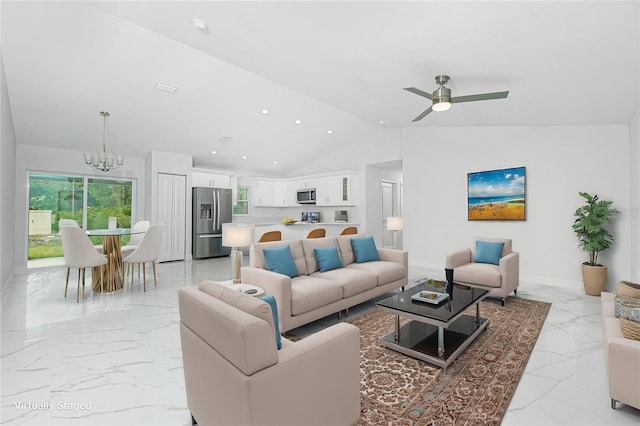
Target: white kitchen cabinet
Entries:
(211, 180)
(334, 191)
(271, 193)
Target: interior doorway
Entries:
(388, 209)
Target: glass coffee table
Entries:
(437, 333)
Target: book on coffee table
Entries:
(430, 297)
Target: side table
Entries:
(243, 288)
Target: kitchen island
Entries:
(294, 231)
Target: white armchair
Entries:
(500, 279)
(235, 375)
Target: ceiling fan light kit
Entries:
(441, 97)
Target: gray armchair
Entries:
(500, 279)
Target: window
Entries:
(89, 201)
(242, 201)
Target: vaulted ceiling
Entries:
(337, 66)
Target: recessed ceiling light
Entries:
(330, 132)
(381, 122)
(264, 111)
(214, 152)
(275, 162)
(164, 87)
(297, 122)
(200, 24)
(244, 157)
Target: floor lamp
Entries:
(395, 224)
(236, 237)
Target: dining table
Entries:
(114, 269)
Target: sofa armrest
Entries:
(392, 255)
(623, 377)
(273, 283)
(510, 270)
(326, 365)
(458, 258)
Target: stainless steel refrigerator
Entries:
(211, 208)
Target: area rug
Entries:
(475, 389)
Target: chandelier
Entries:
(103, 160)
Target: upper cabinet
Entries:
(272, 193)
(334, 191)
(210, 179)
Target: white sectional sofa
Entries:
(313, 294)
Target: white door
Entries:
(171, 215)
(387, 211)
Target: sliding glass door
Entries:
(90, 201)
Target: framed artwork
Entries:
(496, 194)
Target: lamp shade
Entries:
(395, 223)
(236, 236)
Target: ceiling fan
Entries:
(442, 100)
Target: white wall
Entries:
(50, 160)
(7, 182)
(559, 161)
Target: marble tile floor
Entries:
(114, 359)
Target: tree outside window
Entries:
(242, 201)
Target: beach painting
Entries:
(496, 194)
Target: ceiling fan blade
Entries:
(423, 115)
(480, 97)
(419, 92)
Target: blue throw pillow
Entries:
(280, 260)
(488, 252)
(364, 249)
(328, 258)
(274, 311)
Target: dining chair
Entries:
(270, 236)
(317, 233)
(349, 230)
(79, 253)
(147, 251)
(138, 231)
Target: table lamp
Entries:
(236, 237)
(395, 224)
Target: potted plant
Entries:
(593, 238)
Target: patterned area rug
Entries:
(477, 386)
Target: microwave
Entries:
(306, 196)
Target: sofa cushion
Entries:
(506, 249)
(310, 292)
(328, 258)
(308, 247)
(386, 272)
(484, 274)
(628, 310)
(256, 257)
(271, 301)
(488, 252)
(279, 260)
(365, 249)
(345, 248)
(353, 281)
(627, 289)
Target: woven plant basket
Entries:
(630, 329)
(594, 279)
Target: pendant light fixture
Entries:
(103, 160)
